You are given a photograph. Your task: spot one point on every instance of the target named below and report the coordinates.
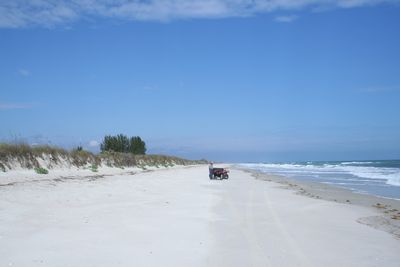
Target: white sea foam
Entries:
(390, 176)
(356, 162)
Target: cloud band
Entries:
(49, 13)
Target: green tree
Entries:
(137, 146)
(121, 143)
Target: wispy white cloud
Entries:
(48, 13)
(5, 106)
(24, 72)
(149, 88)
(94, 143)
(286, 19)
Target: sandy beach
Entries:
(178, 217)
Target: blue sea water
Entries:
(376, 177)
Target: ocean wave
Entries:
(392, 176)
(389, 175)
(357, 163)
(332, 183)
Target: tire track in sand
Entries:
(246, 214)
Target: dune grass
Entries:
(28, 157)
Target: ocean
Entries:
(375, 177)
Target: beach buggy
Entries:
(219, 173)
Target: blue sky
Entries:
(223, 80)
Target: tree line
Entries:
(124, 144)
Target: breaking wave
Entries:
(366, 170)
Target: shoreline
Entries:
(374, 177)
(388, 219)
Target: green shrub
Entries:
(40, 170)
(93, 168)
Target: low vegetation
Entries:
(94, 168)
(28, 156)
(41, 170)
(42, 158)
(81, 158)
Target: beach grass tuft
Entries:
(40, 170)
(94, 168)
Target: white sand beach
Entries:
(178, 217)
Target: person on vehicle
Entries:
(210, 169)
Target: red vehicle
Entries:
(219, 173)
